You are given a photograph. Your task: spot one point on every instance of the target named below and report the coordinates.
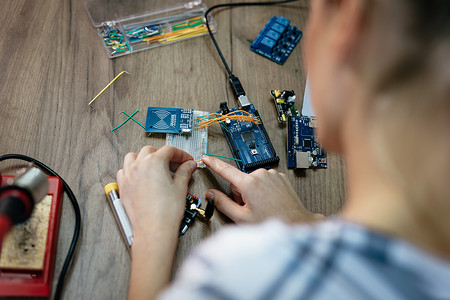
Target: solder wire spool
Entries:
(112, 193)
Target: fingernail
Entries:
(210, 195)
(193, 165)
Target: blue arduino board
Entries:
(303, 148)
(169, 120)
(277, 40)
(249, 142)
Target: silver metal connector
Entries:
(244, 101)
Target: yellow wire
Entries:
(177, 35)
(184, 35)
(101, 92)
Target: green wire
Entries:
(221, 156)
(224, 127)
(134, 119)
(204, 117)
(187, 26)
(129, 117)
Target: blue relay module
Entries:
(277, 40)
(249, 142)
(303, 148)
(169, 120)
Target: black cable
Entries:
(231, 5)
(76, 209)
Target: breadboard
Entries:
(24, 247)
(195, 144)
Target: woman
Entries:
(380, 82)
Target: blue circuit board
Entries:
(277, 40)
(303, 148)
(169, 120)
(249, 142)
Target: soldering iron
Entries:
(17, 198)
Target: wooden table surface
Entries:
(53, 63)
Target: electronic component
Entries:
(303, 148)
(277, 40)
(284, 103)
(249, 142)
(192, 209)
(195, 144)
(169, 120)
(239, 91)
(190, 212)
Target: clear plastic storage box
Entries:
(128, 26)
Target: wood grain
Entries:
(53, 63)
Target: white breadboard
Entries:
(195, 143)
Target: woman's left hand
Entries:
(153, 186)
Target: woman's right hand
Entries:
(258, 196)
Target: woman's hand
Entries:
(259, 195)
(153, 186)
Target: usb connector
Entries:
(238, 91)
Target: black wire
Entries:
(76, 208)
(231, 5)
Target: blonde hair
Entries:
(410, 76)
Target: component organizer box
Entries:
(128, 26)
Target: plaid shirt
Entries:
(329, 260)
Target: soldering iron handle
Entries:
(17, 199)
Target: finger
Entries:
(184, 172)
(146, 150)
(128, 160)
(273, 171)
(236, 194)
(227, 171)
(119, 176)
(173, 155)
(284, 176)
(225, 205)
(173, 166)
